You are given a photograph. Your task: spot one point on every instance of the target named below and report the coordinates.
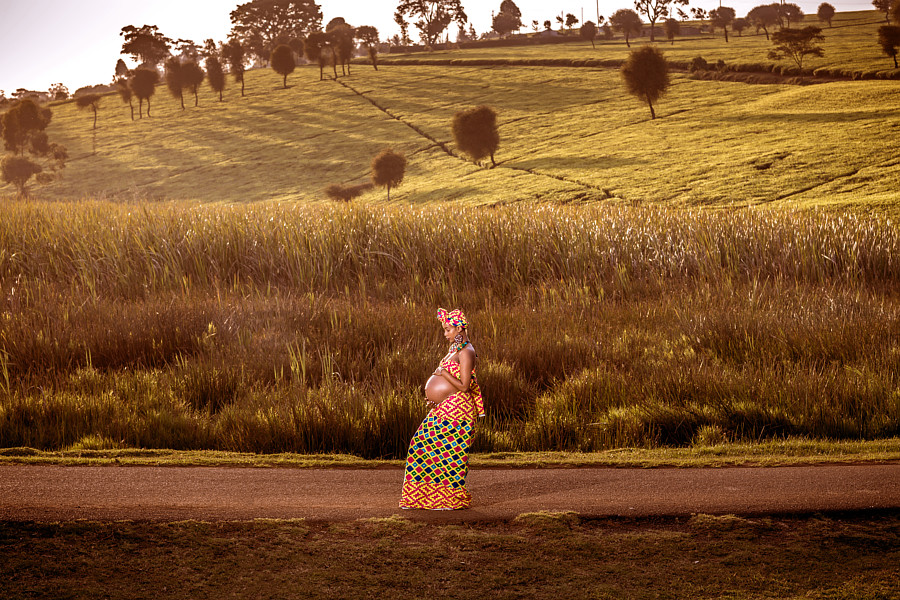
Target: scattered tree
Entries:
(368, 36)
(24, 135)
(656, 9)
(283, 61)
(17, 170)
(825, 13)
(763, 17)
(790, 12)
(143, 85)
(122, 70)
(233, 53)
(739, 25)
(340, 40)
(588, 31)
(548, 25)
(475, 132)
(889, 39)
(260, 25)
(796, 44)
(404, 28)
(700, 14)
(193, 76)
(507, 19)
(646, 75)
(535, 26)
(673, 28)
(388, 169)
(125, 93)
(147, 45)
(216, 75)
(187, 50)
(884, 6)
(314, 49)
(509, 7)
(721, 17)
(91, 101)
(434, 16)
(58, 91)
(175, 79)
(571, 20)
(628, 22)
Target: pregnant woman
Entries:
(438, 458)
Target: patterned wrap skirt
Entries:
(438, 459)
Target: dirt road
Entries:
(220, 493)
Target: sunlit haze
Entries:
(78, 43)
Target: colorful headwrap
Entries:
(455, 317)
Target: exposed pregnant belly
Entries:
(438, 389)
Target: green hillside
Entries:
(567, 134)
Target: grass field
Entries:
(538, 555)
(567, 134)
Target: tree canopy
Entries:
(588, 31)
(283, 61)
(388, 169)
(656, 9)
(722, 17)
(266, 23)
(475, 132)
(825, 13)
(24, 134)
(797, 44)
(216, 75)
(433, 16)
(889, 40)
(146, 44)
(233, 53)
(763, 17)
(143, 84)
(628, 22)
(646, 75)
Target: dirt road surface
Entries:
(52, 493)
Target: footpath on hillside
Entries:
(56, 493)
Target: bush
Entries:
(388, 169)
(347, 193)
(646, 75)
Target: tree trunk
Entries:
(334, 62)
(95, 117)
(220, 95)
(196, 99)
(389, 192)
(141, 109)
(652, 112)
(726, 34)
(895, 61)
(131, 106)
(626, 42)
(242, 86)
(652, 27)
(148, 107)
(180, 97)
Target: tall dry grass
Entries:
(273, 327)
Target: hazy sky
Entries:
(77, 42)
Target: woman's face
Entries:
(450, 332)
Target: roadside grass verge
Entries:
(538, 556)
(789, 452)
(287, 329)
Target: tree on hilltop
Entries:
(91, 101)
(125, 93)
(143, 84)
(193, 77)
(507, 19)
(796, 44)
(215, 74)
(475, 132)
(739, 25)
(340, 39)
(763, 17)
(433, 16)
(790, 13)
(260, 25)
(233, 53)
(646, 75)
(721, 17)
(283, 61)
(174, 74)
(825, 13)
(368, 36)
(889, 40)
(628, 22)
(656, 9)
(883, 6)
(588, 31)
(388, 169)
(122, 69)
(571, 20)
(146, 44)
(314, 48)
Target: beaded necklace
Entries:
(456, 346)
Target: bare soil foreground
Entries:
(53, 493)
